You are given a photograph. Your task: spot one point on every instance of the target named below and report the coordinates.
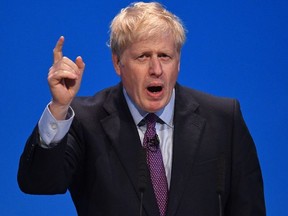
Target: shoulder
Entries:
(95, 105)
(98, 98)
(206, 103)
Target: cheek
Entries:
(129, 79)
(132, 84)
(134, 77)
(173, 76)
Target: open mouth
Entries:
(155, 89)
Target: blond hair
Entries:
(140, 21)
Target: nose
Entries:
(155, 67)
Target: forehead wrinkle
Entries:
(148, 45)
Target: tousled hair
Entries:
(140, 21)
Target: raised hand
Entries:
(64, 79)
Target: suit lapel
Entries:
(121, 130)
(188, 128)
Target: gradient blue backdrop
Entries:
(234, 48)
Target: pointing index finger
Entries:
(57, 51)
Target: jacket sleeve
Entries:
(49, 170)
(246, 194)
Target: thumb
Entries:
(80, 64)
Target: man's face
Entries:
(149, 70)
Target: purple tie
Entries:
(155, 163)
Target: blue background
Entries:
(234, 48)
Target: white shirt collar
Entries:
(165, 114)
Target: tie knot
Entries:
(151, 119)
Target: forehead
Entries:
(156, 43)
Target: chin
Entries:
(152, 108)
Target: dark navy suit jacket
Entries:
(97, 161)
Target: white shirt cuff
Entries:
(52, 130)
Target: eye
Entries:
(143, 57)
(164, 56)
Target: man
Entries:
(201, 159)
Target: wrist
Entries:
(58, 111)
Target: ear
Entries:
(116, 63)
(179, 62)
